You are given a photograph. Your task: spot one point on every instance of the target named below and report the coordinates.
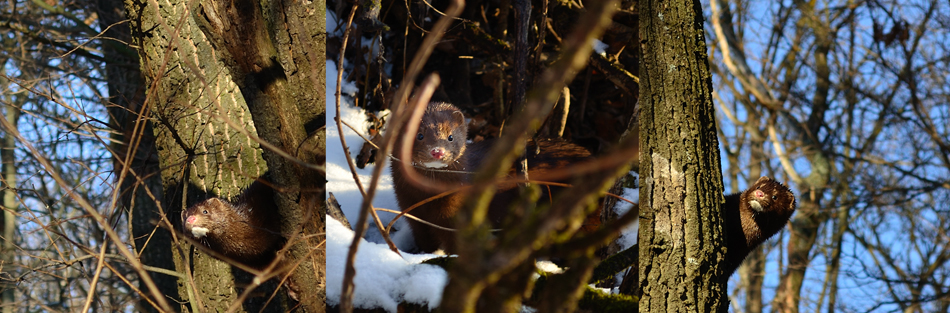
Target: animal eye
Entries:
(419, 136)
(204, 212)
(774, 197)
(451, 138)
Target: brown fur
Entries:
(246, 230)
(439, 121)
(749, 227)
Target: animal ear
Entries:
(459, 117)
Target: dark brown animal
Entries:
(439, 152)
(246, 229)
(749, 218)
(753, 216)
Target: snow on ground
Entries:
(628, 235)
(383, 278)
(339, 179)
(599, 47)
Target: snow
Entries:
(628, 235)
(549, 267)
(383, 278)
(600, 47)
(339, 179)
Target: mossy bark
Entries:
(681, 238)
(225, 116)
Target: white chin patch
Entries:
(548, 267)
(434, 164)
(199, 232)
(756, 205)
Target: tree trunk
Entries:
(680, 228)
(804, 230)
(284, 87)
(10, 203)
(135, 160)
(215, 106)
(200, 156)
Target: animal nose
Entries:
(437, 153)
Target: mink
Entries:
(439, 152)
(749, 218)
(245, 229)
(753, 216)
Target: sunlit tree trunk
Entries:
(7, 218)
(135, 160)
(284, 87)
(201, 156)
(681, 238)
(209, 101)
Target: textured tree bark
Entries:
(135, 159)
(284, 88)
(681, 238)
(202, 129)
(10, 203)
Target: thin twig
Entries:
(428, 44)
(339, 126)
(460, 189)
(110, 232)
